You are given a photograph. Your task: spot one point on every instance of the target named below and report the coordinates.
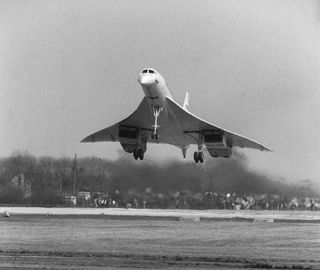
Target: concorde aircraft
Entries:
(160, 119)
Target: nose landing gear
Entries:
(156, 112)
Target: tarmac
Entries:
(116, 238)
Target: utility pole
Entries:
(74, 174)
(60, 182)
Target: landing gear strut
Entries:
(156, 112)
(199, 156)
(138, 153)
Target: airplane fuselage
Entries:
(157, 94)
(154, 87)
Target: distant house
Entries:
(83, 198)
(70, 200)
(84, 195)
(21, 183)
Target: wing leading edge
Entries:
(140, 118)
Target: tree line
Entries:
(50, 177)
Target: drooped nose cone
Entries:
(147, 79)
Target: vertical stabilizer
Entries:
(186, 102)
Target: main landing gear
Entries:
(199, 156)
(156, 112)
(138, 153)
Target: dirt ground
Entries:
(152, 242)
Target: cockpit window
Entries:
(151, 71)
(145, 71)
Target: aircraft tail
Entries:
(186, 102)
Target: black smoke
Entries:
(215, 174)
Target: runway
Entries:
(73, 238)
(249, 215)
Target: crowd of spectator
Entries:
(206, 200)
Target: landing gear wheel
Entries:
(201, 157)
(154, 136)
(196, 157)
(140, 153)
(135, 154)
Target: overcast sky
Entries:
(70, 68)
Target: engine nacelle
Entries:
(226, 152)
(132, 138)
(216, 144)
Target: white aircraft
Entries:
(159, 119)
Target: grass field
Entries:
(109, 241)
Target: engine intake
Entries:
(131, 138)
(128, 133)
(216, 144)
